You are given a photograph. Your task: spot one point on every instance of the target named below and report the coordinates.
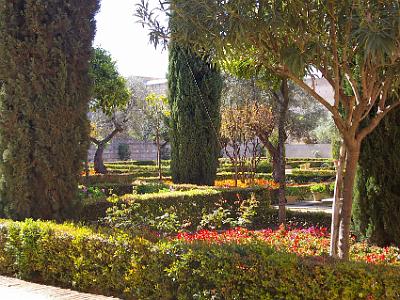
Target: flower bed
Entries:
(246, 183)
(312, 241)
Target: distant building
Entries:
(322, 87)
(158, 86)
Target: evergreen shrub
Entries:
(45, 48)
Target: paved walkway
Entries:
(15, 289)
(311, 206)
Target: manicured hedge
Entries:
(191, 202)
(108, 179)
(305, 176)
(187, 203)
(298, 176)
(134, 268)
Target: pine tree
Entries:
(377, 199)
(194, 97)
(45, 48)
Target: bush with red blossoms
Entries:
(311, 241)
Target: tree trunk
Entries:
(278, 153)
(337, 202)
(283, 108)
(236, 173)
(281, 176)
(86, 168)
(275, 166)
(99, 166)
(158, 155)
(353, 154)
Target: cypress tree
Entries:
(45, 48)
(195, 99)
(377, 198)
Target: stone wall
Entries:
(139, 150)
(309, 150)
(148, 151)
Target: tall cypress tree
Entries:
(45, 48)
(195, 99)
(377, 199)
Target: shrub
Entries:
(148, 188)
(189, 206)
(108, 179)
(193, 203)
(319, 188)
(304, 176)
(302, 192)
(92, 193)
(134, 268)
(123, 151)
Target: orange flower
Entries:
(246, 183)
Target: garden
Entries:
(210, 216)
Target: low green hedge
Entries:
(304, 192)
(186, 203)
(108, 179)
(190, 202)
(305, 176)
(298, 176)
(134, 268)
(264, 166)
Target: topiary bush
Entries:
(123, 152)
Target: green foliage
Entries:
(189, 207)
(319, 188)
(148, 188)
(377, 199)
(221, 217)
(109, 179)
(135, 268)
(110, 91)
(123, 151)
(195, 90)
(92, 193)
(45, 48)
(304, 176)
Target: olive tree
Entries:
(110, 98)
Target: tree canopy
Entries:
(110, 91)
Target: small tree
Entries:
(110, 96)
(157, 111)
(293, 115)
(240, 127)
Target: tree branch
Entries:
(95, 141)
(111, 135)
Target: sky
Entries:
(119, 33)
